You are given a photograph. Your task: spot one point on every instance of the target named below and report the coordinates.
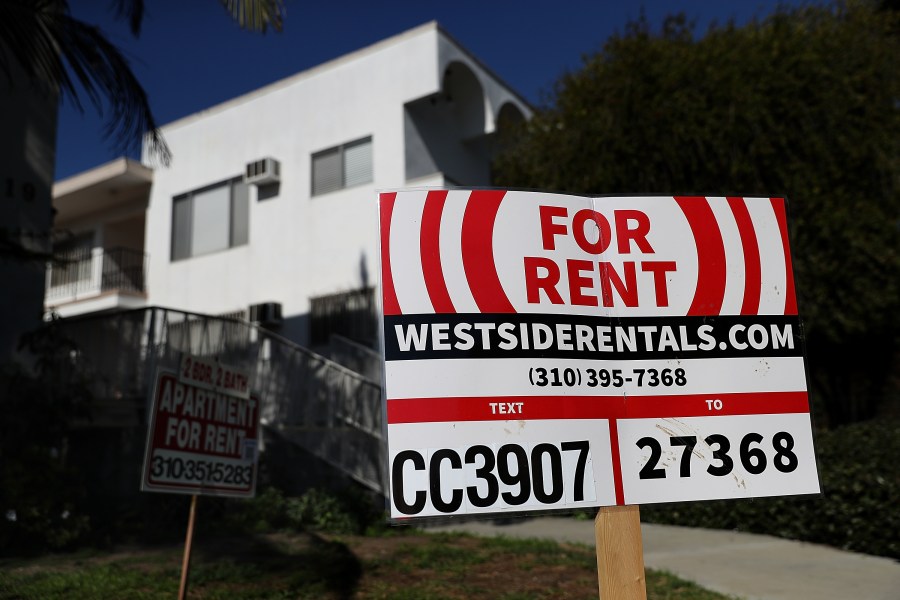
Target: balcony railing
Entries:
(87, 272)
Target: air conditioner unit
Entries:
(262, 171)
(266, 313)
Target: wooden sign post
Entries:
(203, 437)
(620, 553)
(188, 541)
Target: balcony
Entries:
(85, 280)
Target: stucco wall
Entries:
(299, 246)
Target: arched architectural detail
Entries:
(508, 116)
(453, 129)
(465, 100)
(507, 121)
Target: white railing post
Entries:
(96, 284)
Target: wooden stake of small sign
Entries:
(620, 553)
(186, 561)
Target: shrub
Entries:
(40, 504)
(858, 509)
(322, 511)
(265, 512)
(348, 511)
(41, 496)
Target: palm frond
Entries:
(256, 15)
(131, 11)
(57, 50)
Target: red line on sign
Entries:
(710, 255)
(391, 304)
(616, 462)
(750, 245)
(790, 298)
(518, 408)
(478, 251)
(430, 248)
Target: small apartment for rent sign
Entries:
(203, 433)
(546, 351)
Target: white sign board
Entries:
(547, 351)
(204, 432)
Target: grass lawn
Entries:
(403, 565)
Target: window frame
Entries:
(341, 150)
(182, 232)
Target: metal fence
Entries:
(351, 314)
(90, 271)
(356, 357)
(323, 407)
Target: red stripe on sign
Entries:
(616, 462)
(517, 408)
(478, 251)
(710, 256)
(389, 294)
(706, 405)
(790, 298)
(750, 245)
(430, 247)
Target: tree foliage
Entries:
(56, 49)
(860, 477)
(41, 496)
(803, 104)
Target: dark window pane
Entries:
(326, 171)
(240, 213)
(358, 162)
(181, 227)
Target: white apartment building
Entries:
(268, 208)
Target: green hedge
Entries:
(859, 509)
(349, 510)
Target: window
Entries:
(210, 219)
(342, 166)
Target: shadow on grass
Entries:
(307, 564)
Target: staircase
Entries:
(327, 409)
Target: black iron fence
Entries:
(353, 315)
(357, 357)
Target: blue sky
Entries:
(191, 56)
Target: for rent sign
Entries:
(546, 351)
(203, 432)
